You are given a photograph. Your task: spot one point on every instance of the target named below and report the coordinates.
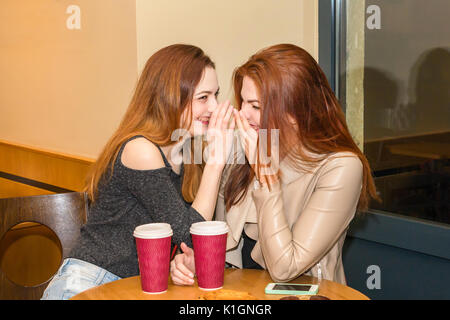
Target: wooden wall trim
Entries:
(33, 183)
(10, 189)
(52, 171)
(53, 154)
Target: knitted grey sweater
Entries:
(128, 199)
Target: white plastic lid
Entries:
(153, 231)
(208, 228)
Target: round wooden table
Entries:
(246, 280)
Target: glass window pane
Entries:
(398, 68)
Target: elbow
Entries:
(290, 266)
(281, 277)
(286, 272)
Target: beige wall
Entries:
(355, 72)
(228, 31)
(66, 90)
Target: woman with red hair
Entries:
(288, 213)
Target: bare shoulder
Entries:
(141, 154)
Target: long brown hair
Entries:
(290, 82)
(165, 88)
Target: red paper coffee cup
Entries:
(209, 239)
(153, 249)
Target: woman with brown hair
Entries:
(289, 213)
(140, 176)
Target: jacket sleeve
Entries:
(289, 253)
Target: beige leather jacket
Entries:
(300, 226)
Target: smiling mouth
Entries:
(204, 121)
(254, 127)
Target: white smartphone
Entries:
(292, 288)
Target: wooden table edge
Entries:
(127, 288)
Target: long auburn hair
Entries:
(290, 82)
(165, 88)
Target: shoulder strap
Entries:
(166, 162)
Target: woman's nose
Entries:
(212, 105)
(245, 110)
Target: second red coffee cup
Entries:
(153, 248)
(209, 239)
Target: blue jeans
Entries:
(75, 276)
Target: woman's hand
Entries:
(182, 267)
(220, 135)
(249, 138)
(266, 168)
